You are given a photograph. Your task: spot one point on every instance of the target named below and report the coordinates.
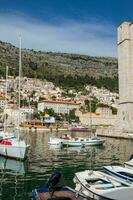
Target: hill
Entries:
(66, 70)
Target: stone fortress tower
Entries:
(125, 70)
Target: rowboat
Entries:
(52, 192)
(98, 185)
(122, 173)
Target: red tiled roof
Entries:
(60, 101)
(2, 97)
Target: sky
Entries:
(71, 26)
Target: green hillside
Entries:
(66, 70)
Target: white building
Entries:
(26, 114)
(59, 106)
(96, 119)
(105, 110)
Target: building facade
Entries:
(59, 106)
(26, 114)
(96, 119)
(2, 102)
(105, 110)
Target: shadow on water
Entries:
(19, 178)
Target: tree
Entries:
(72, 116)
(93, 103)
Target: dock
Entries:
(112, 132)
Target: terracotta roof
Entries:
(60, 101)
(2, 97)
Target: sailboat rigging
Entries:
(14, 147)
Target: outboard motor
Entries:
(53, 181)
(52, 186)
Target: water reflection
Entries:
(17, 178)
(13, 166)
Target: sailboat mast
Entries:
(90, 114)
(5, 100)
(19, 92)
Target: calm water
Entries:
(18, 178)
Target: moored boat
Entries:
(83, 142)
(68, 141)
(11, 146)
(52, 192)
(99, 185)
(122, 173)
(14, 148)
(78, 128)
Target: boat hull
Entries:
(79, 129)
(83, 143)
(12, 151)
(107, 187)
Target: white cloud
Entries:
(71, 36)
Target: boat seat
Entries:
(106, 186)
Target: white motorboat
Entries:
(78, 141)
(100, 186)
(68, 141)
(122, 173)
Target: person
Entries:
(66, 136)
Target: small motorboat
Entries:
(78, 141)
(67, 140)
(122, 173)
(98, 185)
(53, 192)
(78, 128)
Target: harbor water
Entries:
(18, 178)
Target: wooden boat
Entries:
(99, 185)
(52, 192)
(120, 172)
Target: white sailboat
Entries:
(4, 134)
(13, 147)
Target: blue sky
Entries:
(77, 26)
